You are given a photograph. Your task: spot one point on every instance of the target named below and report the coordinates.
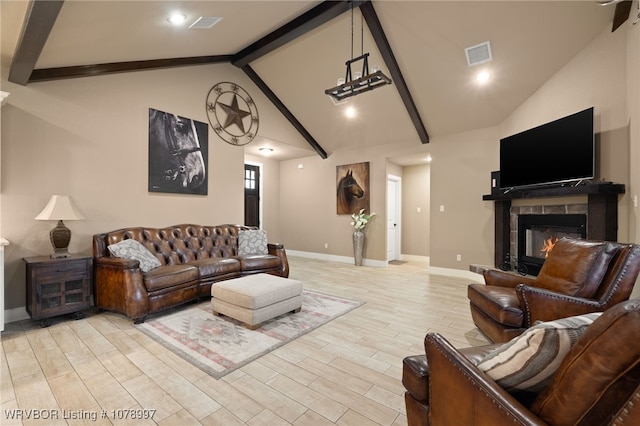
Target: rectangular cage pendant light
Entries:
(363, 82)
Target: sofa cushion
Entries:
(527, 362)
(252, 241)
(259, 262)
(132, 249)
(599, 373)
(169, 276)
(500, 303)
(215, 266)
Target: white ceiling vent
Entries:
(478, 54)
(205, 22)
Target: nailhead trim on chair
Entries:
(496, 402)
(631, 405)
(619, 278)
(602, 303)
(527, 311)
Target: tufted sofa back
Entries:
(177, 244)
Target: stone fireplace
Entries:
(600, 213)
(536, 229)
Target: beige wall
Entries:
(416, 187)
(460, 175)
(596, 77)
(88, 138)
(394, 169)
(308, 205)
(633, 104)
(462, 163)
(308, 201)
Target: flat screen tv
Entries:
(554, 153)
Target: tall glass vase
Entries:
(358, 245)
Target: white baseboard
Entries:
(415, 258)
(335, 258)
(349, 259)
(459, 273)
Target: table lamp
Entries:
(60, 208)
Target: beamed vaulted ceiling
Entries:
(294, 50)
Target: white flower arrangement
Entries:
(361, 219)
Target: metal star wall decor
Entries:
(232, 113)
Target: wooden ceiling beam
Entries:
(310, 20)
(46, 74)
(284, 110)
(373, 23)
(39, 20)
(621, 14)
(43, 13)
(319, 15)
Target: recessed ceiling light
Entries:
(350, 112)
(177, 18)
(482, 77)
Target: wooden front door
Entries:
(251, 195)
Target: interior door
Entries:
(393, 194)
(251, 195)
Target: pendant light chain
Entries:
(361, 35)
(365, 81)
(352, 32)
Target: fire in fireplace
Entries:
(538, 233)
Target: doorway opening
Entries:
(394, 205)
(253, 194)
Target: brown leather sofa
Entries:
(597, 382)
(192, 258)
(578, 277)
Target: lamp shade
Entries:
(60, 207)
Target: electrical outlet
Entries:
(442, 208)
(459, 257)
(418, 210)
(326, 245)
(635, 201)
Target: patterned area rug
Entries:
(220, 345)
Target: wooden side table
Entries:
(58, 286)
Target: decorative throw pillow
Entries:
(132, 249)
(527, 362)
(253, 241)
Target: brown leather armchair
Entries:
(578, 277)
(597, 382)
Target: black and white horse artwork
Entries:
(177, 154)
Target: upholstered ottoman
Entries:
(254, 299)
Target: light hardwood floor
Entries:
(347, 372)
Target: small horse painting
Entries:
(177, 154)
(352, 193)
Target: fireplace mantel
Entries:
(602, 211)
(560, 191)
